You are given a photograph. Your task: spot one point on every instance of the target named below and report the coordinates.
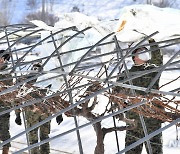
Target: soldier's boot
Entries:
(5, 150)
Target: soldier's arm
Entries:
(118, 89)
(156, 56)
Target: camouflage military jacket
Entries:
(144, 80)
(6, 99)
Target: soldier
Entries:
(4, 104)
(142, 62)
(37, 113)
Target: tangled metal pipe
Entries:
(15, 34)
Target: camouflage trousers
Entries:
(33, 118)
(138, 133)
(4, 128)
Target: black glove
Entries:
(18, 120)
(59, 119)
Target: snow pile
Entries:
(148, 19)
(86, 38)
(135, 22)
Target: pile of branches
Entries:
(156, 106)
(28, 93)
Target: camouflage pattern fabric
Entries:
(151, 123)
(35, 114)
(38, 112)
(138, 133)
(4, 105)
(33, 118)
(4, 128)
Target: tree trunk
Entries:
(99, 149)
(43, 10)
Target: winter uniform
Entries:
(32, 118)
(4, 119)
(151, 123)
(35, 114)
(4, 105)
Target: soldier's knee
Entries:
(45, 148)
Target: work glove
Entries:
(151, 40)
(59, 119)
(18, 120)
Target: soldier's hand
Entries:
(18, 120)
(59, 119)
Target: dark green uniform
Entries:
(38, 112)
(35, 114)
(151, 123)
(32, 118)
(4, 119)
